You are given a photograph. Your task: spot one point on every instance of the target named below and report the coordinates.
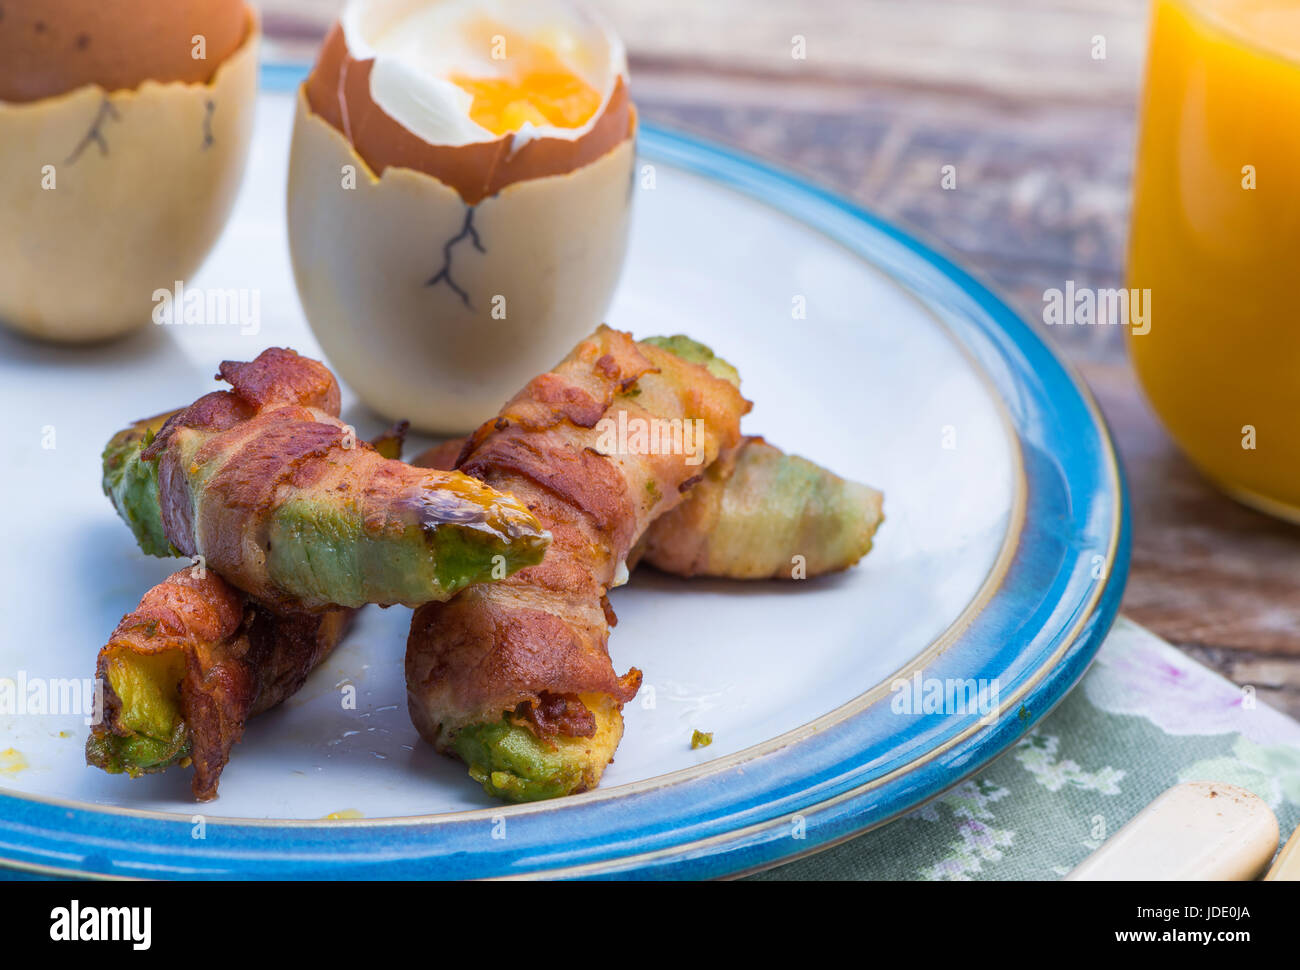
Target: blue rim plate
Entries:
(1036, 625)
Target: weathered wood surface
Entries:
(1041, 134)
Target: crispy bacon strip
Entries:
(184, 671)
(557, 446)
(197, 658)
(272, 489)
(757, 513)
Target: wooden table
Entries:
(1041, 133)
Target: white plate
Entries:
(869, 382)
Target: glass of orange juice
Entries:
(1215, 241)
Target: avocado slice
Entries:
(327, 549)
(514, 764)
(157, 737)
(694, 352)
(132, 485)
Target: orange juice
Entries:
(1216, 240)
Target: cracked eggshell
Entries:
(341, 89)
(368, 260)
(91, 229)
(56, 46)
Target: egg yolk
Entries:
(555, 98)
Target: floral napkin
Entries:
(1145, 718)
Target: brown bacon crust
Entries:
(543, 632)
(280, 383)
(276, 436)
(239, 659)
(278, 376)
(556, 714)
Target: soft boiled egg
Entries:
(459, 189)
(123, 132)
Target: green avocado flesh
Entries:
(158, 736)
(510, 762)
(136, 755)
(132, 485)
(694, 352)
(321, 550)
